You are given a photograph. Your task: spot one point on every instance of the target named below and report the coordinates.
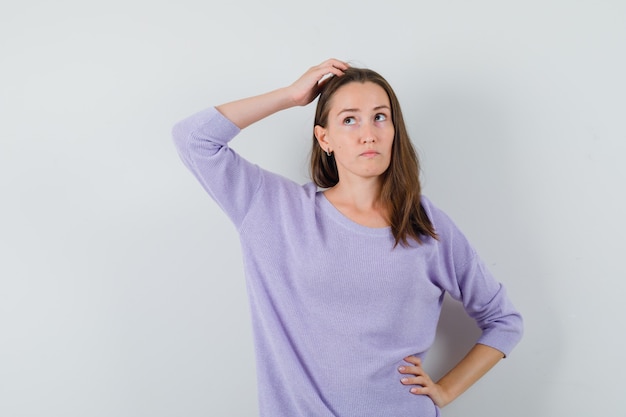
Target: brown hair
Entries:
(401, 189)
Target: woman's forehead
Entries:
(359, 96)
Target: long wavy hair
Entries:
(401, 189)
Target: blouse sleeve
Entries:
(464, 275)
(202, 143)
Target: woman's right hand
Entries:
(249, 110)
(304, 90)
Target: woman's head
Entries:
(400, 186)
(323, 167)
(358, 131)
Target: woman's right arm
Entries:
(202, 139)
(303, 91)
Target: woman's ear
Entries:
(320, 135)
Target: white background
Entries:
(121, 287)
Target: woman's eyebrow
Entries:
(382, 106)
(348, 111)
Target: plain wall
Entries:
(121, 286)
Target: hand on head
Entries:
(304, 90)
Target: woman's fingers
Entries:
(305, 89)
(333, 65)
(420, 382)
(414, 360)
(416, 380)
(323, 71)
(415, 375)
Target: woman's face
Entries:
(359, 131)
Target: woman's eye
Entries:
(380, 117)
(349, 121)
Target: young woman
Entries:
(346, 275)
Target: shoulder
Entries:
(450, 236)
(277, 183)
(440, 220)
(277, 190)
(282, 204)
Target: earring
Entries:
(327, 152)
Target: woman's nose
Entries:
(367, 135)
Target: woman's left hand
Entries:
(424, 385)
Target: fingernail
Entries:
(401, 368)
(414, 390)
(404, 380)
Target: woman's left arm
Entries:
(461, 273)
(478, 361)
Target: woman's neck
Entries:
(359, 202)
